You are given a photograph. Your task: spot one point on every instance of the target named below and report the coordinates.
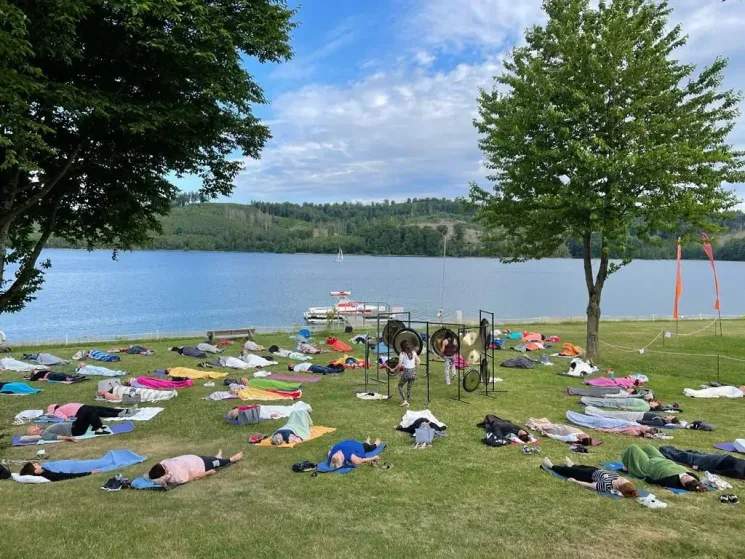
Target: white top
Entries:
(406, 362)
(301, 367)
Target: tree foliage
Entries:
(594, 128)
(101, 100)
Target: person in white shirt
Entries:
(407, 363)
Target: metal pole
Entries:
(720, 324)
(718, 361)
(442, 286)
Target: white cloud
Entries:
(406, 128)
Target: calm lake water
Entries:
(88, 294)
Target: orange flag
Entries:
(710, 254)
(678, 284)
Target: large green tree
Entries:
(102, 100)
(595, 128)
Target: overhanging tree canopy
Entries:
(100, 100)
(594, 128)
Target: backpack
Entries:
(303, 466)
(491, 439)
(248, 416)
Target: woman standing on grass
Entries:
(407, 363)
(449, 349)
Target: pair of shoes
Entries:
(729, 499)
(531, 449)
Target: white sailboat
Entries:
(340, 256)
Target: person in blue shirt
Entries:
(352, 453)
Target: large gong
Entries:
(391, 365)
(389, 331)
(435, 340)
(471, 347)
(407, 335)
(471, 380)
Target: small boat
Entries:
(344, 307)
(340, 256)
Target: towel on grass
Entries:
(116, 429)
(143, 414)
(714, 392)
(315, 432)
(326, 468)
(159, 384)
(642, 492)
(185, 372)
(272, 384)
(371, 396)
(18, 389)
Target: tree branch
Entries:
(603, 269)
(28, 267)
(587, 240)
(47, 187)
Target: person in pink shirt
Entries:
(189, 467)
(68, 412)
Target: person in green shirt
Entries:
(649, 464)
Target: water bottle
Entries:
(611, 374)
(40, 454)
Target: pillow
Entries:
(29, 479)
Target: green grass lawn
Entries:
(457, 499)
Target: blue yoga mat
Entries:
(618, 467)
(145, 483)
(729, 447)
(325, 467)
(116, 429)
(112, 460)
(641, 492)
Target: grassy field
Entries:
(456, 499)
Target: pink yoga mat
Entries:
(159, 384)
(295, 378)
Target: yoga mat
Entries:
(112, 460)
(641, 492)
(294, 378)
(315, 432)
(273, 384)
(729, 447)
(325, 467)
(144, 414)
(618, 467)
(145, 483)
(116, 429)
(18, 389)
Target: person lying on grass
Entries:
(36, 469)
(86, 417)
(559, 431)
(296, 430)
(70, 411)
(649, 464)
(593, 478)
(189, 467)
(352, 453)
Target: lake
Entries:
(88, 294)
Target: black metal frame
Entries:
(488, 354)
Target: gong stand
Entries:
(486, 320)
(460, 333)
(379, 337)
(367, 368)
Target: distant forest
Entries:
(414, 227)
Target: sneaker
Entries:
(113, 484)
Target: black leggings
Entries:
(213, 463)
(369, 447)
(104, 411)
(580, 473)
(86, 417)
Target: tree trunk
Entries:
(594, 292)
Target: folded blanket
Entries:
(194, 374)
(315, 432)
(714, 392)
(293, 378)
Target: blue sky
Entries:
(379, 99)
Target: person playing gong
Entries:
(448, 350)
(407, 363)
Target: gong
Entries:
(471, 347)
(392, 363)
(407, 335)
(435, 340)
(389, 331)
(485, 333)
(471, 380)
